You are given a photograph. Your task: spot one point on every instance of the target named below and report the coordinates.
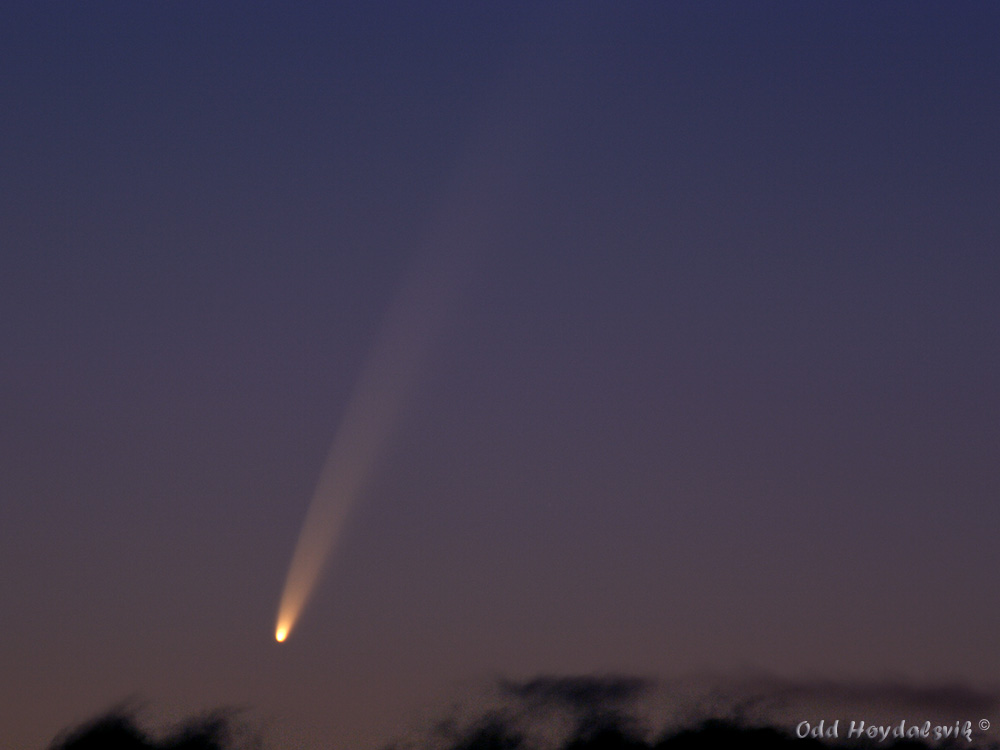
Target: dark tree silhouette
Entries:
(592, 713)
(119, 730)
(599, 715)
(114, 731)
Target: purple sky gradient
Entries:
(721, 392)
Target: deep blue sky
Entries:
(721, 391)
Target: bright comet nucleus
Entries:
(280, 635)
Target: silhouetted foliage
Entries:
(597, 713)
(725, 734)
(119, 730)
(492, 734)
(585, 713)
(607, 736)
(712, 734)
(114, 731)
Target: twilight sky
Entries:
(716, 385)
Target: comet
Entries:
(366, 427)
(481, 184)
